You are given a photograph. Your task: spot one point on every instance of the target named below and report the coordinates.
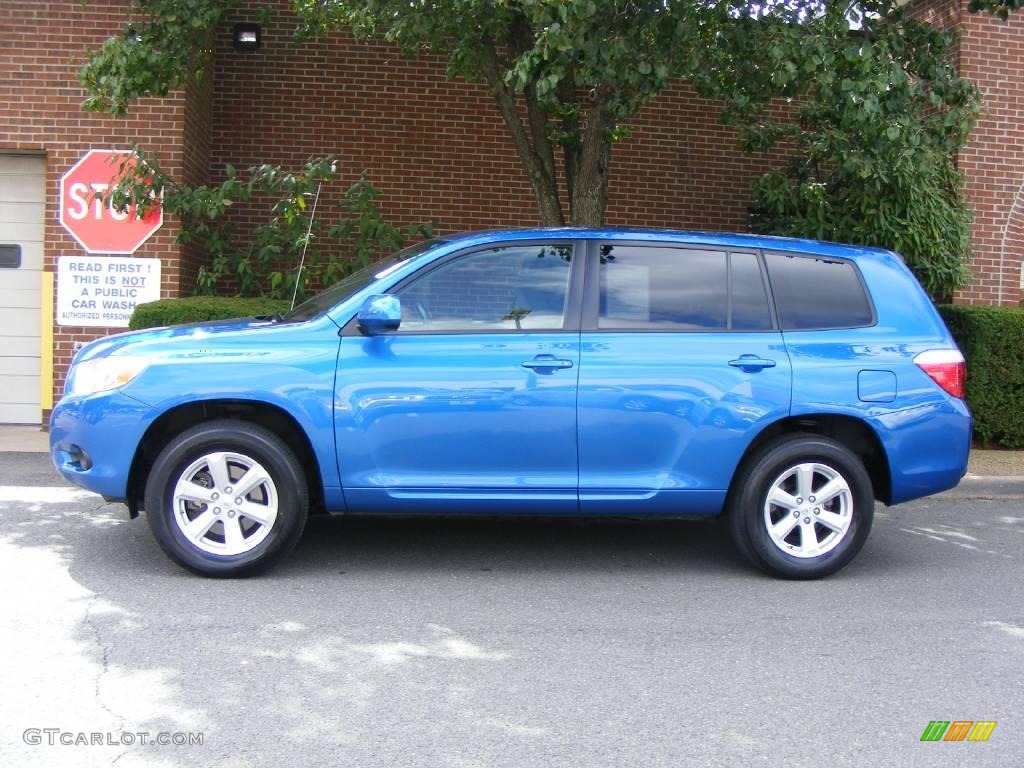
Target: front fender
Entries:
(302, 386)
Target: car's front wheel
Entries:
(802, 507)
(226, 499)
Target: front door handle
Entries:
(751, 363)
(542, 362)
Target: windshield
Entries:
(355, 282)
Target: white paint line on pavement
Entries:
(1011, 629)
(930, 533)
(948, 531)
(333, 653)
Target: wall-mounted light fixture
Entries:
(247, 37)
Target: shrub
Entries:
(196, 309)
(992, 340)
(875, 127)
(264, 260)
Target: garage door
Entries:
(22, 197)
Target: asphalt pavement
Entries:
(518, 643)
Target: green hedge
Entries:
(195, 309)
(992, 340)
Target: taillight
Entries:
(947, 369)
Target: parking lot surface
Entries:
(494, 643)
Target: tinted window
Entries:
(663, 288)
(749, 299)
(517, 287)
(817, 293)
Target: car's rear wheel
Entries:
(226, 499)
(802, 507)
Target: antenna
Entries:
(305, 245)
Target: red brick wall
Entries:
(992, 55)
(438, 149)
(196, 142)
(42, 45)
(944, 14)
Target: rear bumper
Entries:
(93, 440)
(927, 447)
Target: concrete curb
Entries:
(16, 438)
(987, 487)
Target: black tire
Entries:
(254, 444)
(748, 513)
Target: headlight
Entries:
(102, 373)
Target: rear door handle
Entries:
(751, 363)
(541, 362)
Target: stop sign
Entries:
(97, 226)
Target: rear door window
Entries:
(645, 287)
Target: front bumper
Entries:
(93, 440)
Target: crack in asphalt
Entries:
(104, 670)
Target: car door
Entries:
(681, 365)
(470, 405)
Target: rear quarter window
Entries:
(814, 293)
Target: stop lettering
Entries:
(97, 226)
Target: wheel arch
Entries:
(854, 433)
(185, 415)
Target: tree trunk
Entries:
(570, 146)
(522, 41)
(545, 154)
(590, 189)
(538, 171)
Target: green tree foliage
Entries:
(1000, 8)
(579, 69)
(877, 114)
(266, 262)
(159, 50)
(880, 111)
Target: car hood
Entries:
(152, 340)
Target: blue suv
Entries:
(784, 384)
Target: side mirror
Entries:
(380, 313)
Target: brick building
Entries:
(437, 149)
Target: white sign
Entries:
(103, 290)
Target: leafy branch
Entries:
(264, 263)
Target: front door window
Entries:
(520, 287)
